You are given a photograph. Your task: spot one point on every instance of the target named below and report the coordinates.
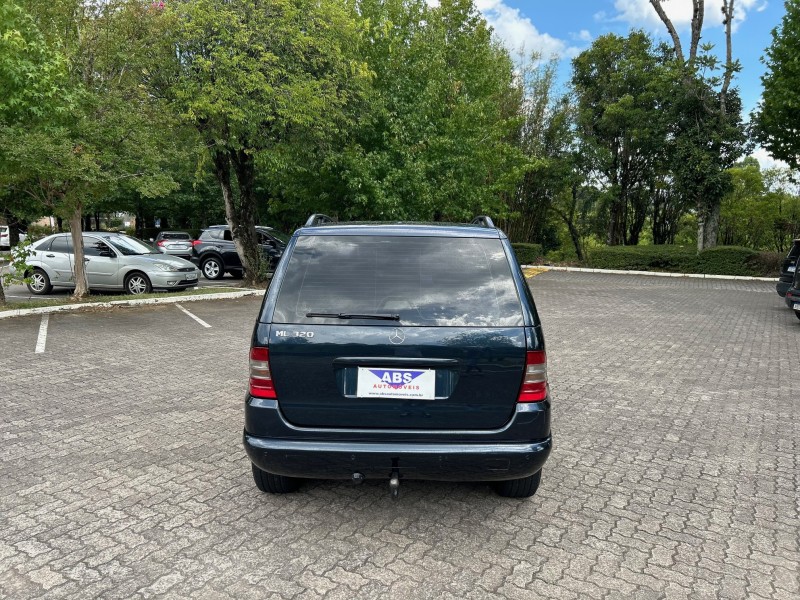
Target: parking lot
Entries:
(674, 474)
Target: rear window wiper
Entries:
(354, 316)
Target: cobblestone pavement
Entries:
(674, 473)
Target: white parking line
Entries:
(42, 339)
(198, 319)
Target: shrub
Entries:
(721, 260)
(528, 254)
(768, 264)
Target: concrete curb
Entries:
(650, 273)
(7, 314)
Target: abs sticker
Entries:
(416, 384)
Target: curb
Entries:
(651, 273)
(7, 314)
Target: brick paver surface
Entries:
(674, 474)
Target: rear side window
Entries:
(62, 244)
(428, 281)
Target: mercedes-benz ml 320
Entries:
(398, 351)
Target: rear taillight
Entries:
(160, 242)
(196, 242)
(534, 384)
(260, 376)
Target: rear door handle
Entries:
(50, 255)
(85, 260)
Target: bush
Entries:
(768, 263)
(527, 254)
(642, 258)
(722, 260)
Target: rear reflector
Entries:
(534, 384)
(260, 376)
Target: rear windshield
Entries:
(795, 251)
(464, 282)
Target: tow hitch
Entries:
(394, 480)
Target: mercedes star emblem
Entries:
(397, 336)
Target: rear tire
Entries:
(237, 274)
(519, 488)
(797, 314)
(274, 484)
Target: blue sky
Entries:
(566, 27)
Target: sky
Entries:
(567, 27)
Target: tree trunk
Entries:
(241, 218)
(60, 224)
(712, 225)
(78, 265)
(97, 221)
(2, 294)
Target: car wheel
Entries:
(237, 274)
(137, 283)
(274, 484)
(519, 488)
(212, 268)
(796, 313)
(39, 283)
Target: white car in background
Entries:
(5, 237)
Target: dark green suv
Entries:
(398, 351)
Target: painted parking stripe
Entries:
(42, 339)
(196, 318)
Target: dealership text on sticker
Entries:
(413, 384)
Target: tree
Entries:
(32, 78)
(621, 125)
(255, 77)
(433, 133)
(105, 132)
(702, 160)
(547, 138)
(776, 121)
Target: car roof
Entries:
(402, 228)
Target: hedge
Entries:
(721, 260)
(528, 254)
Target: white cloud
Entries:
(640, 13)
(517, 31)
(766, 161)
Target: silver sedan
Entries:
(113, 262)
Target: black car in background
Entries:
(398, 351)
(788, 267)
(215, 253)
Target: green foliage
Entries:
(721, 260)
(18, 264)
(430, 136)
(528, 254)
(776, 120)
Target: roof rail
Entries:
(483, 221)
(318, 219)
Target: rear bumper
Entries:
(440, 462)
(516, 450)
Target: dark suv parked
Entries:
(787, 268)
(214, 251)
(398, 351)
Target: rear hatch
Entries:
(789, 263)
(394, 332)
